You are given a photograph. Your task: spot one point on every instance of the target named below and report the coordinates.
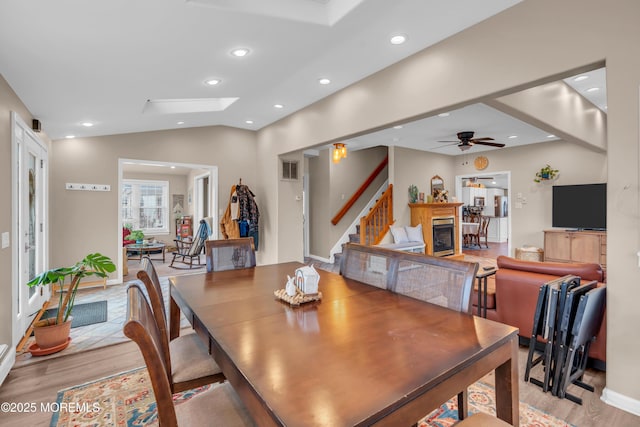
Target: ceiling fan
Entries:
(466, 141)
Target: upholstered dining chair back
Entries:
(230, 254)
(444, 282)
(368, 264)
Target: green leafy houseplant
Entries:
(546, 173)
(92, 265)
(136, 235)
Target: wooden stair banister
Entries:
(336, 219)
(376, 223)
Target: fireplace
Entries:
(443, 236)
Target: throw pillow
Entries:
(399, 235)
(414, 234)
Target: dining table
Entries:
(358, 356)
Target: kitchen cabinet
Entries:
(470, 193)
(498, 230)
(575, 246)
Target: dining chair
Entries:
(482, 419)
(218, 405)
(482, 232)
(367, 264)
(444, 282)
(188, 362)
(230, 254)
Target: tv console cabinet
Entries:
(575, 246)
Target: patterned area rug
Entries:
(126, 399)
(482, 398)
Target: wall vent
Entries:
(289, 170)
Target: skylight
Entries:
(181, 106)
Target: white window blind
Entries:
(145, 205)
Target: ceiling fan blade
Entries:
(491, 144)
(486, 138)
(445, 146)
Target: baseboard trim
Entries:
(316, 257)
(620, 401)
(6, 362)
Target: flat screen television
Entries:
(580, 206)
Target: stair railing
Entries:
(376, 223)
(352, 200)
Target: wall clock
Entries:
(481, 162)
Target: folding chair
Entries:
(588, 319)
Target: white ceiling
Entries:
(483, 120)
(75, 61)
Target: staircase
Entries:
(375, 225)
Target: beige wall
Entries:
(531, 43)
(414, 167)
(93, 216)
(332, 185)
(577, 165)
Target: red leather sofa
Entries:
(517, 284)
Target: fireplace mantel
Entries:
(424, 213)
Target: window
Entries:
(145, 205)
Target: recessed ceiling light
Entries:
(240, 52)
(173, 167)
(278, 106)
(593, 89)
(180, 122)
(87, 124)
(70, 136)
(398, 127)
(580, 78)
(513, 136)
(249, 122)
(443, 115)
(324, 81)
(398, 39)
(493, 182)
(212, 82)
(551, 136)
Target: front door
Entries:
(30, 184)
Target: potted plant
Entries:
(136, 235)
(54, 331)
(546, 173)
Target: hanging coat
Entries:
(228, 226)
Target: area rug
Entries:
(126, 399)
(84, 314)
(482, 398)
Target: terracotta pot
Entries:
(52, 335)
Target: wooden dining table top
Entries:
(360, 356)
